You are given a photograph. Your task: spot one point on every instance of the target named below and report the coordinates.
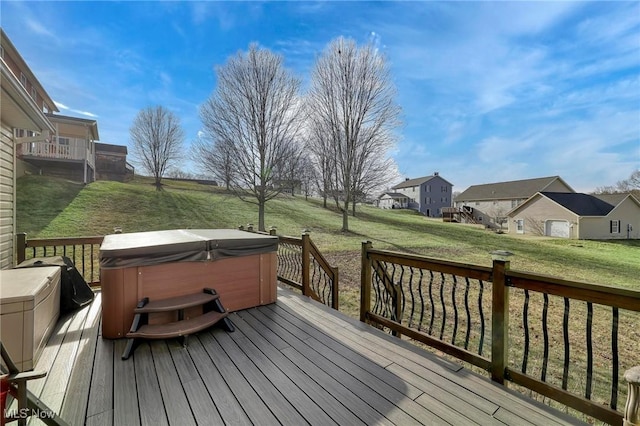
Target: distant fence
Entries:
(566, 340)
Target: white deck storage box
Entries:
(29, 310)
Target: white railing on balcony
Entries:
(76, 150)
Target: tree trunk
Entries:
(324, 200)
(261, 216)
(345, 216)
(353, 207)
(158, 184)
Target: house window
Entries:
(427, 188)
(1, 52)
(23, 80)
(520, 226)
(514, 203)
(63, 141)
(427, 200)
(413, 188)
(443, 189)
(34, 94)
(614, 226)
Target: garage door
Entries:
(557, 228)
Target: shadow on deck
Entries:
(292, 362)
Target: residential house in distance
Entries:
(489, 204)
(428, 195)
(577, 216)
(21, 121)
(69, 153)
(111, 163)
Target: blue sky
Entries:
(490, 91)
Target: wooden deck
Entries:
(294, 362)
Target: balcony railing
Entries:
(76, 150)
(566, 340)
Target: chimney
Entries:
(406, 179)
(436, 173)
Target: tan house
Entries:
(489, 204)
(577, 216)
(69, 153)
(21, 121)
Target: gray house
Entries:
(428, 194)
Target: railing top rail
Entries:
(290, 240)
(44, 242)
(418, 261)
(601, 294)
(321, 259)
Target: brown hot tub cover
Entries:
(180, 245)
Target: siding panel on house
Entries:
(7, 195)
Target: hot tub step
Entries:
(213, 312)
(177, 303)
(178, 328)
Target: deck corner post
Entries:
(632, 408)
(499, 321)
(335, 294)
(21, 247)
(365, 281)
(272, 230)
(306, 264)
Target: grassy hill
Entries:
(49, 207)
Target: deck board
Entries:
(292, 362)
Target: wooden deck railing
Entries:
(566, 340)
(83, 251)
(300, 263)
(302, 266)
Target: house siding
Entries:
(7, 197)
(597, 228)
(537, 212)
(429, 197)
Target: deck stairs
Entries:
(212, 313)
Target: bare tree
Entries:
(215, 158)
(157, 139)
(630, 185)
(352, 96)
(255, 110)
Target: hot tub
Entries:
(240, 266)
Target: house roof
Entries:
(394, 195)
(517, 189)
(107, 147)
(613, 199)
(418, 181)
(580, 204)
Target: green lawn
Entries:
(49, 207)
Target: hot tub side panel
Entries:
(242, 282)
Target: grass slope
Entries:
(49, 207)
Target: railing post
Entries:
(365, 281)
(334, 290)
(632, 409)
(272, 230)
(21, 247)
(499, 321)
(306, 268)
(250, 227)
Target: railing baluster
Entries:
(482, 324)
(525, 325)
(421, 300)
(444, 308)
(433, 309)
(466, 307)
(413, 301)
(565, 334)
(545, 331)
(614, 361)
(455, 310)
(587, 392)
